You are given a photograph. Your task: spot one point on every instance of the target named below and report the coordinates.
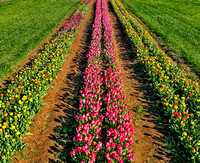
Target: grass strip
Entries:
(26, 23)
(176, 23)
(21, 99)
(178, 94)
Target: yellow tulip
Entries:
(184, 133)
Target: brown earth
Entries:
(42, 147)
(30, 56)
(149, 146)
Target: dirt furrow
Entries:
(42, 146)
(149, 145)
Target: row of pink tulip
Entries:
(120, 132)
(69, 25)
(21, 99)
(102, 103)
(88, 139)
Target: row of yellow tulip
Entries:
(21, 99)
(178, 94)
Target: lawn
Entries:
(24, 24)
(175, 22)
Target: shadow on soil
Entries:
(74, 82)
(173, 148)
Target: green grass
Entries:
(26, 23)
(175, 22)
(140, 110)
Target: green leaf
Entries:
(28, 133)
(15, 158)
(23, 146)
(43, 104)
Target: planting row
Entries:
(104, 129)
(21, 99)
(120, 132)
(178, 94)
(88, 140)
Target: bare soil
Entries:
(149, 145)
(42, 146)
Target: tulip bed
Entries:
(21, 99)
(120, 132)
(104, 131)
(179, 95)
(88, 139)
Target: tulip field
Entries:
(179, 95)
(104, 122)
(22, 97)
(103, 87)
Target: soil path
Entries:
(42, 146)
(149, 146)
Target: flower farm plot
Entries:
(104, 130)
(178, 94)
(103, 86)
(22, 98)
